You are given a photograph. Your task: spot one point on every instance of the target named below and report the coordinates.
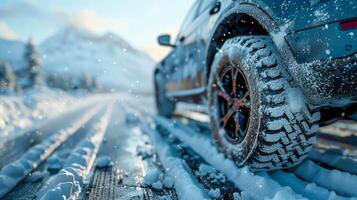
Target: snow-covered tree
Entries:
(7, 78)
(31, 75)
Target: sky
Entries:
(137, 21)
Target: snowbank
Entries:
(312, 172)
(13, 173)
(20, 112)
(335, 159)
(255, 186)
(68, 183)
(309, 190)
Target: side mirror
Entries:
(216, 8)
(165, 40)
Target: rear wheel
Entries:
(165, 106)
(258, 115)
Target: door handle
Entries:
(216, 8)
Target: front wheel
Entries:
(258, 115)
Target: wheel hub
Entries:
(233, 103)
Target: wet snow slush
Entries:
(117, 148)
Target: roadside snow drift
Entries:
(20, 112)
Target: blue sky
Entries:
(137, 21)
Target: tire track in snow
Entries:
(14, 148)
(15, 172)
(300, 186)
(217, 185)
(186, 187)
(252, 185)
(307, 189)
(28, 187)
(213, 182)
(123, 137)
(69, 181)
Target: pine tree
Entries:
(33, 68)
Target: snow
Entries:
(77, 51)
(295, 99)
(157, 185)
(214, 193)
(308, 190)
(103, 162)
(255, 186)
(335, 159)
(204, 169)
(37, 176)
(132, 118)
(312, 172)
(68, 183)
(13, 173)
(184, 183)
(23, 112)
(168, 182)
(151, 177)
(54, 163)
(19, 112)
(144, 151)
(211, 174)
(279, 37)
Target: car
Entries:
(269, 74)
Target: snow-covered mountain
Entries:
(108, 57)
(77, 51)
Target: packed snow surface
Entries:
(103, 162)
(255, 186)
(184, 182)
(68, 183)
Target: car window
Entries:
(205, 4)
(190, 17)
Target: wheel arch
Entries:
(239, 19)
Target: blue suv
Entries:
(269, 73)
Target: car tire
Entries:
(165, 106)
(279, 129)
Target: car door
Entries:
(190, 79)
(207, 14)
(180, 57)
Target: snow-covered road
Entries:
(117, 148)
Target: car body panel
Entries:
(303, 14)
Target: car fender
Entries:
(275, 28)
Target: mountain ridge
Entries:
(108, 57)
